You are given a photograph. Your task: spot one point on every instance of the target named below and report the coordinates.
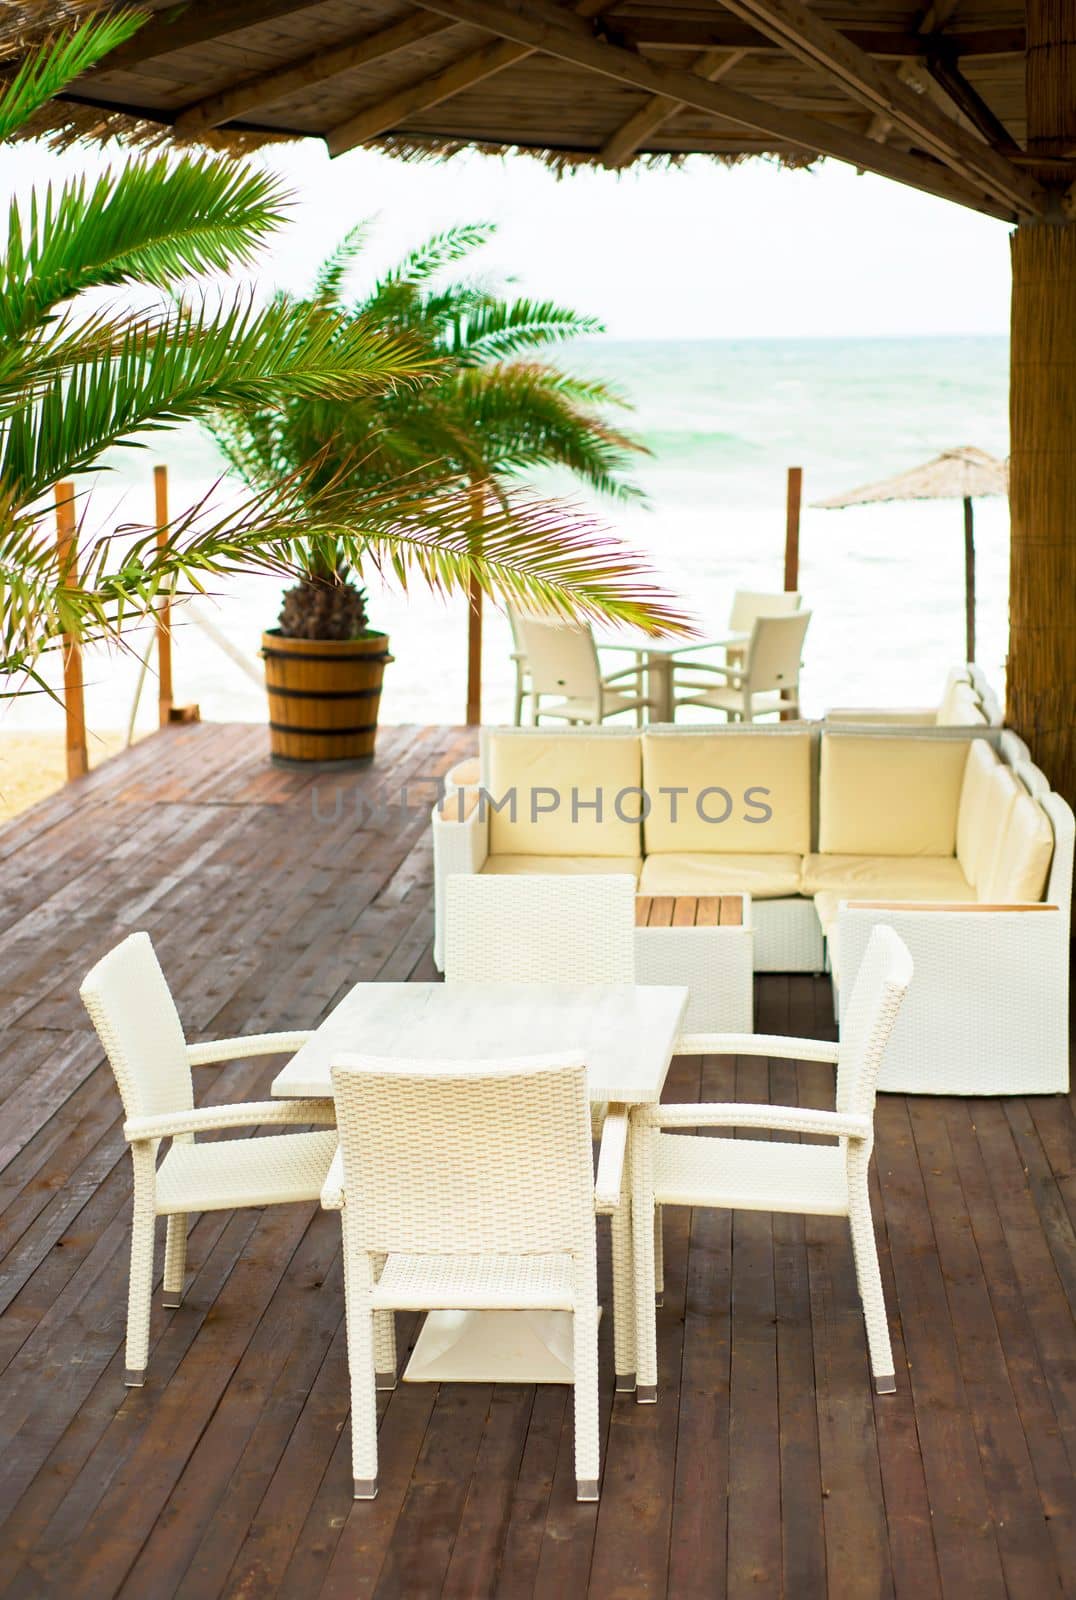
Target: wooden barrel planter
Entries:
(324, 695)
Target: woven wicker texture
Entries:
(244, 1172)
(476, 1186)
(540, 929)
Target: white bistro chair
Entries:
(469, 1186)
(553, 929)
(671, 1168)
(750, 604)
(565, 676)
(131, 1007)
(767, 683)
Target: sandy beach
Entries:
(33, 765)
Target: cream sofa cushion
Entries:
(1002, 790)
(1018, 871)
(879, 877)
(972, 817)
(762, 877)
(883, 796)
(564, 765)
(961, 708)
(519, 866)
(738, 763)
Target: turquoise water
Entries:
(723, 419)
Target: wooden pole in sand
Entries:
(164, 611)
(969, 580)
(793, 503)
(74, 706)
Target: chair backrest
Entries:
(773, 656)
(748, 605)
(540, 929)
(562, 658)
(877, 994)
(453, 1158)
(131, 1007)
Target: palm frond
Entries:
(498, 329)
(44, 73)
(333, 272)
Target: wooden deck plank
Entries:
(767, 1465)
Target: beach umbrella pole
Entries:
(969, 580)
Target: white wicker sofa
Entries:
(967, 702)
(944, 832)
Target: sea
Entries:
(723, 420)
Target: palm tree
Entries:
(491, 413)
(76, 379)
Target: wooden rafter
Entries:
(969, 102)
(913, 71)
(178, 28)
(659, 31)
(632, 134)
(805, 35)
(431, 90)
(267, 88)
(560, 34)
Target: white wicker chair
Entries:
(767, 684)
(552, 929)
(822, 1180)
(469, 1186)
(566, 680)
(131, 1007)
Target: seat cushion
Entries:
(226, 1173)
(750, 1174)
(889, 796)
(1019, 870)
(563, 794)
(687, 873)
(851, 877)
(741, 792)
(521, 865)
(972, 831)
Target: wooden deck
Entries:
(767, 1468)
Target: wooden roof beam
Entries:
(623, 143)
(660, 32)
(267, 88)
(804, 34)
(967, 99)
(556, 32)
(179, 27)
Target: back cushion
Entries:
(1001, 791)
(546, 786)
(754, 788)
(1020, 868)
(955, 682)
(961, 708)
(972, 835)
(889, 797)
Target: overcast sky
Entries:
(701, 251)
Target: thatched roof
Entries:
(932, 96)
(966, 473)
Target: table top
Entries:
(643, 645)
(627, 1032)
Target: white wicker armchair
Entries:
(554, 930)
(670, 1168)
(469, 1187)
(131, 1007)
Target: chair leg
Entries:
(359, 1319)
(869, 1278)
(140, 1284)
(175, 1261)
(641, 1151)
(623, 1298)
(585, 1339)
(384, 1341)
(659, 1258)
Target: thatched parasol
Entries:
(963, 474)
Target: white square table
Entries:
(627, 1034)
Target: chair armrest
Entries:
(209, 1119)
(735, 641)
(624, 672)
(332, 1190)
(611, 1156)
(784, 1119)
(731, 675)
(457, 804)
(756, 1044)
(255, 1044)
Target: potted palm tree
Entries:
(453, 446)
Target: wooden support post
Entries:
(474, 633)
(164, 611)
(969, 581)
(792, 527)
(1041, 676)
(74, 705)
